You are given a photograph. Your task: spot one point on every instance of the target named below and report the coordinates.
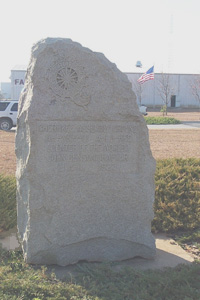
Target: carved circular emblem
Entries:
(67, 81)
(66, 77)
(63, 79)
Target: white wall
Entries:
(5, 88)
(17, 83)
(182, 90)
(150, 97)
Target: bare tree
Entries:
(1, 96)
(138, 88)
(195, 87)
(165, 89)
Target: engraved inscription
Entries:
(55, 157)
(86, 128)
(87, 142)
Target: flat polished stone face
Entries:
(85, 173)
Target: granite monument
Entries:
(85, 172)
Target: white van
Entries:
(143, 110)
(8, 114)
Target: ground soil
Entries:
(164, 143)
(175, 143)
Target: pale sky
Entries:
(164, 33)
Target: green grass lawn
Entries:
(19, 280)
(161, 120)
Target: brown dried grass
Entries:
(164, 143)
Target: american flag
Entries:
(147, 76)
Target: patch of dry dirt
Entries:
(175, 143)
(164, 143)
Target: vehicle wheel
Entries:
(5, 124)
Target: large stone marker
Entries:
(85, 172)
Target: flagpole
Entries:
(154, 96)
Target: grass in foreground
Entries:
(96, 282)
(189, 237)
(189, 241)
(161, 120)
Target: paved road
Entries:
(192, 123)
(184, 125)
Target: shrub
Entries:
(8, 213)
(164, 110)
(160, 120)
(177, 195)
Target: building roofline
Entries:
(163, 73)
(19, 68)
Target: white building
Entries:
(180, 90)
(18, 74)
(5, 90)
(180, 85)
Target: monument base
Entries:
(94, 250)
